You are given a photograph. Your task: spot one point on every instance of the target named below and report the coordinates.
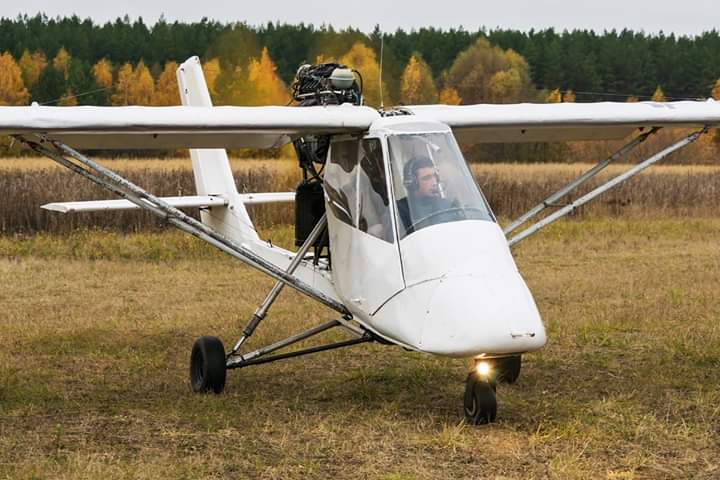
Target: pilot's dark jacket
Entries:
(420, 207)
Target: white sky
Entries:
(689, 18)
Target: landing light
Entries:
(483, 368)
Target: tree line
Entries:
(68, 61)
(61, 58)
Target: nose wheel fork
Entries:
(480, 401)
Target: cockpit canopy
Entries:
(430, 183)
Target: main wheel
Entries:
(480, 403)
(207, 365)
(508, 368)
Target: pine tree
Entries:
(166, 89)
(659, 95)
(416, 84)
(50, 87)
(31, 66)
(12, 87)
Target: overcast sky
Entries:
(679, 17)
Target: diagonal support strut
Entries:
(128, 190)
(605, 187)
(582, 179)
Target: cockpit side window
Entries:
(341, 180)
(374, 215)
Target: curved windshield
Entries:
(432, 182)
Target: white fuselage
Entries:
(450, 289)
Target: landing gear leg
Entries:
(480, 404)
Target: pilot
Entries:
(425, 198)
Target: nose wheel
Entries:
(480, 403)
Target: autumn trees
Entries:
(68, 62)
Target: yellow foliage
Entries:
(554, 97)
(121, 92)
(166, 90)
(31, 65)
(61, 62)
(68, 99)
(211, 70)
(449, 96)
(362, 58)
(632, 99)
(325, 59)
(143, 87)
(659, 95)
(266, 87)
(504, 85)
(716, 90)
(102, 73)
(12, 87)
(486, 73)
(568, 96)
(416, 84)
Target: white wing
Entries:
(183, 126)
(566, 121)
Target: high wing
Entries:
(531, 122)
(182, 126)
(267, 127)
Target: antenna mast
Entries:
(382, 41)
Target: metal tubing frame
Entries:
(305, 351)
(550, 201)
(605, 187)
(261, 311)
(261, 355)
(128, 190)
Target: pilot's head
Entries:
(420, 178)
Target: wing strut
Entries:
(117, 184)
(597, 191)
(550, 201)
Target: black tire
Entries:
(508, 369)
(480, 405)
(207, 365)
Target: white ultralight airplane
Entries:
(394, 234)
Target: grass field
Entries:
(97, 329)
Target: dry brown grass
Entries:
(96, 332)
(511, 189)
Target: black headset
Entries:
(410, 180)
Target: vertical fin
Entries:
(211, 167)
